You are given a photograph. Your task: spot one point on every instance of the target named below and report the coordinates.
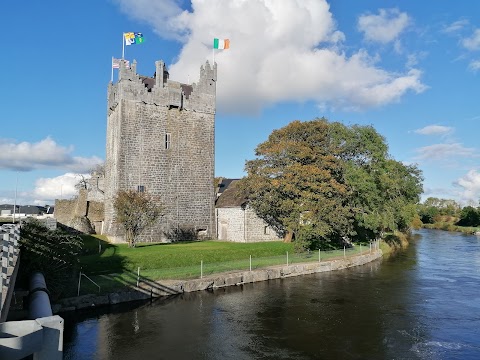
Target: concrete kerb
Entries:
(163, 288)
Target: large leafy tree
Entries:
(328, 182)
(135, 211)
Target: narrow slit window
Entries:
(168, 137)
(141, 188)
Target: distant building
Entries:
(236, 221)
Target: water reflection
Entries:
(422, 303)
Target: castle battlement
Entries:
(161, 91)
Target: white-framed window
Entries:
(266, 230)
(168, 140)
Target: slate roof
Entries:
(230, 194)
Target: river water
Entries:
(422, 303)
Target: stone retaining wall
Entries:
(148, 289)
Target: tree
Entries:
(51, 252)
(469, 216)
(135, 211)
(328, 182)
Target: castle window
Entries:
(266, 230)
(141, 188)
(167, 140)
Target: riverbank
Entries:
(150, 289)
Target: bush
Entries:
(181, 234)
(55, 253)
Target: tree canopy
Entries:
(324, 181)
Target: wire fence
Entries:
(110, 282)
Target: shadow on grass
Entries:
(102, 263)
(141, 245)
(126, 281)
(100, 256)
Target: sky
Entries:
(409, 68)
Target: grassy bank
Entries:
(113, 266)
(448, 226)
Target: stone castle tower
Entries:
(160, 139)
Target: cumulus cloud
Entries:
(470, 184)
(25, 156)
(444, 152)
(60, 187)
(434, 130)
(472, 43)
(384, 27)
(279, 51)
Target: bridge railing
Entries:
(9, 257)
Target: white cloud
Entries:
(472, 43)
(279, 51)
(434, 130)
(46, 153)
(60, 187)
(384, 27)
(474, 65)
(444, 152)
(470, 184)
(456, 26)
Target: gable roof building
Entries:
(236, 221)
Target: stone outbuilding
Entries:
(236, 221)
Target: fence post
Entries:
(344, 255)
(370, 247)
(287, 258)
(319, 258)
(250, 262)
(201, 269)
(138, 276)
(360, 249)
(79, 280)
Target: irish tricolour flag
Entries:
(221, 44)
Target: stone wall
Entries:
(64, 210)
(80, 214)
(242, 225)
(161, 139)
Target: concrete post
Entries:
(52, 347)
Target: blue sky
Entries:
(409, 68)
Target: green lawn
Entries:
(116, 265)
(118, 257)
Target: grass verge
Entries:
(114, 266)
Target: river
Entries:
(422, 303)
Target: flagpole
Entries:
(111, 79)
(123, 46)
